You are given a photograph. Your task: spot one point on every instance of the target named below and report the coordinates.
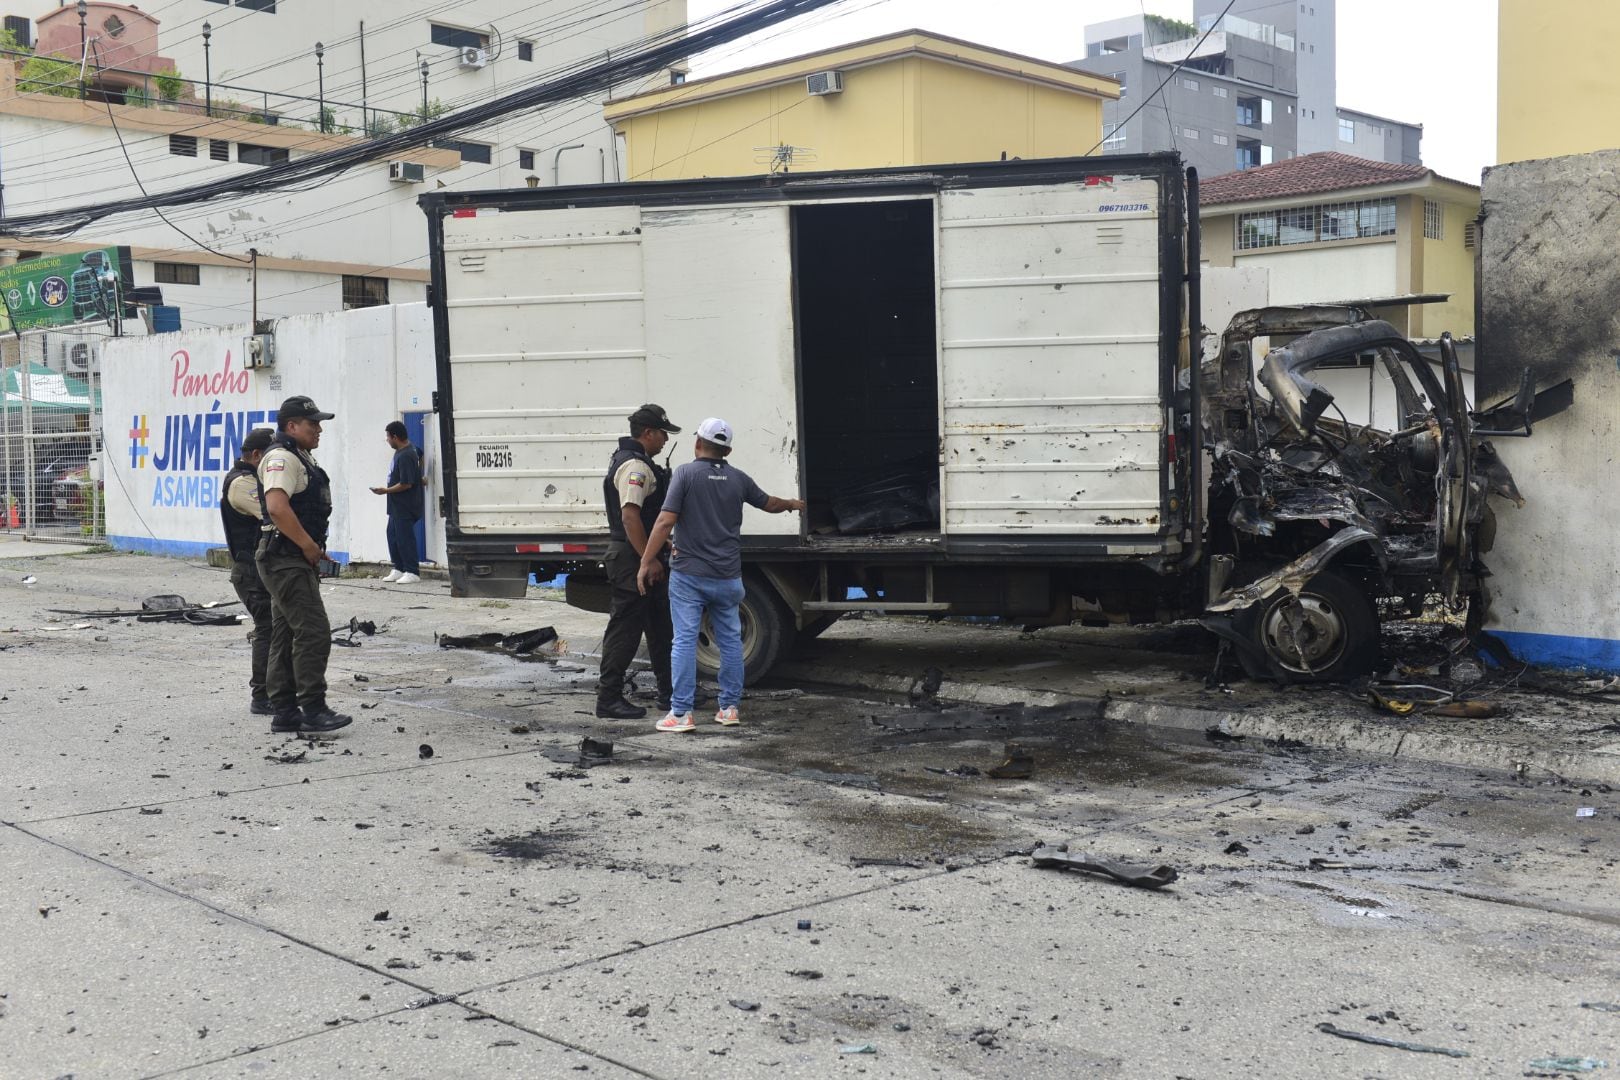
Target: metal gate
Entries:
(50, 434)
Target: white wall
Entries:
(1340, 271)
(367, 366)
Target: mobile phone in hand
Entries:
(328, 568)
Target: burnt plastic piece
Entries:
(1141, 877)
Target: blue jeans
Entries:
(689, 597)
(402, 551)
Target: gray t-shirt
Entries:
(709, 497)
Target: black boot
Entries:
(261, 707)
(319, 721)
(286, 722)
(619, 709)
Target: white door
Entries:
(1050, 371)
(548, 358)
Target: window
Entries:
(1120, 76)
(1470, 235)
(252, 154)
(22, 29)
(676, 77)
(268, 6)
(114, 26)
(1248, 112)
(359, 292)
(1190, 84)
(176, 273)
(526, 160)
(1189, 133)
(1113, 137)
(219, 149)
(1265, 154)
(1218, 91)
(1219, 140)
(526, 51)
(1317, 224)
(183, 145)
(1265, 110)
(1434, 220)
(470, 151)
(1246, 153)
(458, 38)
(1347, 130)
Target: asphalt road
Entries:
(188, 895)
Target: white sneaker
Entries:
(409, 579)
(727, 717)
(393, 575)
(671, 722)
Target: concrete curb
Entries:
(1389, 740)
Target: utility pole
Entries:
(253, 258)
(365, 120)
(84, 55)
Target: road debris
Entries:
(1396, 1044)
(1569, 1064)
(1601, 1006)
(860, 1048)
(594, 751)
(924, 690)
(1141, 877)
(287, 759)
(424, 751)
(1019, 764)
(520, 644)
(745, 1006)
(1586, 811)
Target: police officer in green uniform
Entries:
(240, 510)
(633, 494)
(296, 496)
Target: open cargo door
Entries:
(547, 358)
(1052, 365)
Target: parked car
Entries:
(73, 496)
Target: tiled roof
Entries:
(1308, 175)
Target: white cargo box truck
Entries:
(976, 376)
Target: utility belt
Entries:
(274, 545)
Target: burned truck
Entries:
(1319, 527)
(981, 379)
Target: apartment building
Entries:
(198, 90)
(1254, 87)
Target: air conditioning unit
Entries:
(823, 83)
(78, 356)
(405, 172)
(259, 351)
(473, 57)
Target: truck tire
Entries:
(1338, 639)
(767, 632)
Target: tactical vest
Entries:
(242, 531)
(312, 506)
(630, 450)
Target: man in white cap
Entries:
(706, 497)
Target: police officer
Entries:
(240, 510)
(633, 493)
(296, 496)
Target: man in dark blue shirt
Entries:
(706, 498)
(405, 505)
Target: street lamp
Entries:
(84, 9)
(208, 71)
(320, 76)
(424, 89)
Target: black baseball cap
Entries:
(653, 416)
(257, 439)
(300, 408)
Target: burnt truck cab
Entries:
(1319, 527)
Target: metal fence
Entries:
(50, 434)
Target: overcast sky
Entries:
(1429, 62)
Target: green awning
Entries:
(50, 391)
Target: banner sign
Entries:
(60, 290)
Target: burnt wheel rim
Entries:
(1305, 635)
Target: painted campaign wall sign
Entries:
(182, 453)
(60, 290)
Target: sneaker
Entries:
(619, 710)
(727, 717)
(409, 579)
(323, 721)
(676, 723)
(261, 707)
(287, 723)
(392, 575)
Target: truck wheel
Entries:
(1329, 633)
(767, 629)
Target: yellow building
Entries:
(1330, 226)
(1557, 80)
(912, 98)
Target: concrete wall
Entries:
(176, 407)
(1556, 78)
(1550, 272)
